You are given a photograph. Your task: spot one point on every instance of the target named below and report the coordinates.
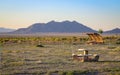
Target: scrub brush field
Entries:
(53, 56)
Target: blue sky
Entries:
(97, 14)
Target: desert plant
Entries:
(100, 31)
(49, 73)
(70, 73)
(61, 73)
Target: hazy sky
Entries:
(97, 14)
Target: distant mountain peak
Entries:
(53, 21)
(75, 21)
(116, 30)
(36, 25)
(66, 21)
(53, 26)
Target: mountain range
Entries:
(58, 27)
(52, 26)
(116, 30)
(6, 30)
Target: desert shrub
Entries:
(45, 39)
(11, 64)
(7, 51)
(64, 39)
(6, 40)
(16, 63)
(61, 73)
(49, 73)
(116, 73)
(80, 72)
(117, 49)
(57, 39)
(118, 41)
(40, 45)
(110, 70)
(70, 73)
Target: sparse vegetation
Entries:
(19, 55)
(100, 31)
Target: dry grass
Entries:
(27, 58)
